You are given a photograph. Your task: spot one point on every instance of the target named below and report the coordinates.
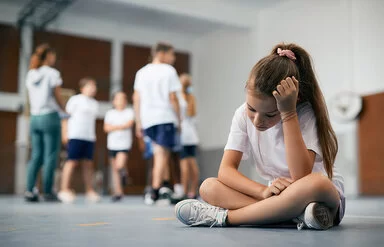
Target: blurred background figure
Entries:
(189, 139)
(83, 110)
(43, 84)
(157, 113)
(118, 124)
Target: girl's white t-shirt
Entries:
(83, 113)
(155, 82)
(41, 83)
(119, 139)
(189, 134)
(267, 148)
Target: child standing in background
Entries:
(44, 86)
(83, 109)
(189, 169)
(118, 124)
(157, 112)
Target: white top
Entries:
(83, 113)
(119, 139)
(267, 148)
(155, 82)
(41, 83)
(188, 125)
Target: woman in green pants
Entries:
(44, 84)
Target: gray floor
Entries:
(130, 223)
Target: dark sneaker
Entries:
(31, 197)
(177, 198)
(51, 198)
(117, 198)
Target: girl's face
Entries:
(90, 89)
(120, 101)
(262, 111)
(51, 59)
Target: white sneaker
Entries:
(148, 200)
(316, 216)
(195, 213)
(67, 197)
(92, 197)
(179, 190)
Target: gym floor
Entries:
(130, 223)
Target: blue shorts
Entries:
(80, 149)
(113, 153)
(188, 152)
(162, 134)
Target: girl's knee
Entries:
(320, 183)
(207, 188)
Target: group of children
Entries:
(164, 114)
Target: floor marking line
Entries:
(164, 219)
(365, 217)
(94, 224)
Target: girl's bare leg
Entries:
(290, 203)
(218, 194)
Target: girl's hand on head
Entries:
(278, 186)
(286, 95)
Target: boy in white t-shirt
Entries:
(118, 124)
(157, 112)
(83, 109)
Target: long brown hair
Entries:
(272, 69)
(39, 56)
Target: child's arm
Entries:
(300, 160)
(175, 104)
(191, 110)
(136, 106)
(230, 176)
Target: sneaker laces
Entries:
(300, 221)
(205, 214)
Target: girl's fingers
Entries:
(280, 89)
(285, 182)
(274, 190)
(295, 81)
(281, 186)
(284, 83)
(291, 83)
(276, 95)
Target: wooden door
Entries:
(371, 145)
(9, 58)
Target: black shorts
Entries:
(162, 134)
(80, 149)
(188, 152)
(113, 153)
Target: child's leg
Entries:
(66, 175)
(185, 174)
(194, 176)
(88, 172)
(116, 178)
(218, 194)
(121, 160)
(161, 157)
(290, 203)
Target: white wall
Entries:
(344, 38)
